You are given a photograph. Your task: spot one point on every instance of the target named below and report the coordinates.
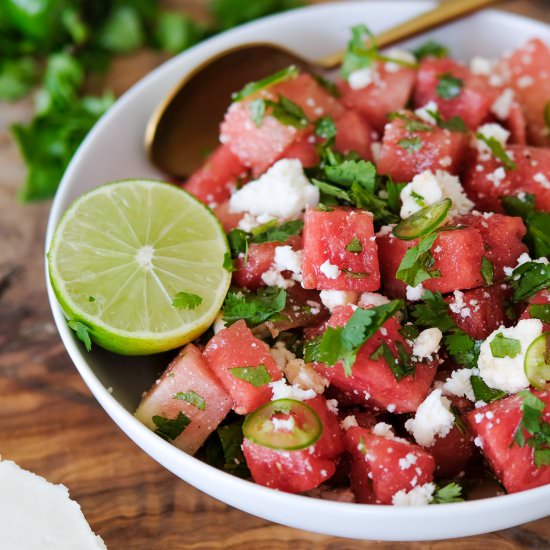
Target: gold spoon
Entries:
(186, 123)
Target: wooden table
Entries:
(50, 424)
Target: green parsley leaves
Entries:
(186, 300)
(257, 376)
(501, 346)
(343, 343)
(82, 333)
(193, 398)
(253, 307)
(417, 263)
(498, 150)
(276, 78)
(448, 86)
(533, 424)
(170, 428)
(361, 52)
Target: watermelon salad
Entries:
(385, 338)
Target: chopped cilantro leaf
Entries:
(430, 48)
(276, 78)
(325, 128)
(411, 124)
(82, 332)
(284, 110)
(401, 366)
(231, 439)
(91, 298)
(482, 392)
(448, 86)
(228, 263)
(411, 145)
(192, 398)
(536, 222)
(170, 428)
(277, 233)
(257, 376)
(452, 492)
(329, 86)
(186, 300)
(238, 242)
(540, 311)
(354, 246)
(257, 111)
(487, 270)
(343, 343)
(361, 51)
(454, 124)
(528, 279)
(415, 267)
(253, 307)
(501, 346)
(462, 347)
(498, 150)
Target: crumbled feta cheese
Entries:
(507, 373)
(502, 105)
(409, 460)
(427, 342)
(497, 176)
(418, 496)
(349, 422)
(372, 299)
(433, 418)
(415, 293)
(427, 188)
(282, 192)
(459, 383)
(542, 179)
(332, 299)
(219, 324)
(376, 150)
(330, 271)
(249, 222)
(361, 78)
(525, 81)
(445, 162)
(398, 55)
(36, 514)
(385, 230)
(385, 430)
(273, 277)
(281, 355)
(332, 406)
(287, 259)
(423, 114)
(492, 130)
(282, 390)
(459, 305)
(481, 66)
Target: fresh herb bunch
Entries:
(53, 44)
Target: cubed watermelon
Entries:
(213, 181)
(236, 346)
(486, 180)
(187, 386)
(372, 381)
(340, 251)
(389, 464)
(452, 452)
(527, 68)
(502, 238)
(495, 426)
(440, 149)
(304, 150)
(480, 311)
(229, 220)
(457, 253)
(472, 103)
(540, 298)
(330, 444)
(353, 134)
(249, 270)
(388, 93)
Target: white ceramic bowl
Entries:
(114, 150)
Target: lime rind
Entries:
(537, 364)
(121, 253)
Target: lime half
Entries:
(139, 264)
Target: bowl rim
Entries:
(240, 493)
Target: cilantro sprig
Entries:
(223, 449)
(417, 263)
(430, 48)
(528, 279)
(284, 110)
(452, 492)
(343, 343)
(482, 392)
(186, 300)
(82, 332)
(170, 428)
(497, 150)
(253, 87)
(253, 307)
(448, 86)
(400, 362)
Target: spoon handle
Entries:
(445, 12)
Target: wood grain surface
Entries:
(50, 423)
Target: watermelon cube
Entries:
(330, 444)
(540, 298)
(229, 220)
(457, 254)
(249, 270)
(340, 251)
(527, 69)
(236, 346)
(388, 464)
(495, 426)
(189, 387)
(480, 311)
(486, 179)
(473, 101)
(452, 452)
(353, 134)
(304, 150)
(372, 381)
(213, 181)
(440, 149)
(502, 238)
(388, 93)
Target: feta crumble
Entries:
(349, 422)
(423, 114)
(332, 299)
(330, 271)
(428, 188)
(415, 293)
(372, 299)
(282, 192)
(427, 342)
(282, 390)
(361, 78)
(287, 259)
(507, 373)
(459, 383)
(397, 54)
(418, 496)
(481, 66)
(492, 130)
(502, 105)
(433, 418)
